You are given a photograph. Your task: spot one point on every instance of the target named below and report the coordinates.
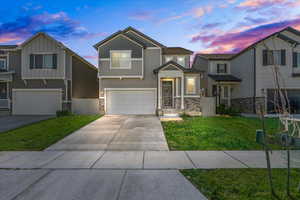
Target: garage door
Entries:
(36, 101)
(293, 97)
(130, 102)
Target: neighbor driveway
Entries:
(11, 122)
(124, 132)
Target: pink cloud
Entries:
(234, 41)
(91, 57)
(140, 15)
(253, 5)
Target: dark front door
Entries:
(167, 94)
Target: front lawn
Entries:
(241, 184)
(216, 133)
(42, 134)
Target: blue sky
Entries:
(199, 25)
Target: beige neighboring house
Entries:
(138, 75)
(42, 76)
(245, 80)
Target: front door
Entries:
(167, 94)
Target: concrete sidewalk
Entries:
(142, 159)
(41, 184)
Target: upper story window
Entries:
(296, 59)
(168, 58)
(3, 66)
(274, 57)
(43, 61)
(120, 59)
(190, 85)
(222, 68)
(180, 60)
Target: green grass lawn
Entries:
(216, 133)
(40, 135)
(241, 184)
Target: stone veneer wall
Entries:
(246, 104)
(101, 105)
(192, 104)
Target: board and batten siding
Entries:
(264, 74)
(42, 44)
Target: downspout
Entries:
(254, 82)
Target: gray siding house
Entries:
(246, 80)
(42, 76)
(138, 75)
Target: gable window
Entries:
(274, 57)
(191, 85)
(43, 61)
(222, 68)
(3, 64)
(120, 59)
(181, 61)
(296, 59)
(168, 58)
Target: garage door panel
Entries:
(36, 102)
(131, 102)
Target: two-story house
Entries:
(138, 75)
(42, 76)
(253, 69)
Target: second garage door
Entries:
(36, 101)
(133, 102)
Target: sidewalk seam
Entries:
(94, 163)
(236, 159)
(188, 156)
(121, 185)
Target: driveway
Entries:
(11, 122)
(120, 133)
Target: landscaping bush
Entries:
(223, 110)
(61, 113)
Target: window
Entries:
(181, 61)
(296, 59)
(190, 85)
(43, 61)
(3, 90)
(273, 57)
(221, 68)
(168, 58)
(3, 64)
(120, 59)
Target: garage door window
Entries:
(120, 59)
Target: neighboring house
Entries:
(246, 80)
(138, 75)
(41, 76)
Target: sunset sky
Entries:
(199, 25)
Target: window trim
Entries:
(183, 60)
(171, 58)
(5, 61)
(226, 68)
(186, 85)
(118, 51)
(43, 53)
(270, 55)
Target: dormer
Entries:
(177, 54)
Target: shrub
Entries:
(61, 113)
(223, 110)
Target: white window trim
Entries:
(118, 51)
(43, 53)
(186, 83)
(5, 61)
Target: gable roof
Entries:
(287, 39)
(8, 46)
(176, 65)
(176, 50)
(60, 45)
(124, 33)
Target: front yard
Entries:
(42, 134)
(216, 133)
(241, 184)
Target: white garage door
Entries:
(36, 101)
(130, 102)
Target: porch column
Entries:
(158, 97)
(182, 92)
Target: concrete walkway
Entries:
(121, 133)
(96, 184)
(142, 159)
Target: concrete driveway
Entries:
(11, 122)
(120, 133)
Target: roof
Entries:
(123, 32)
(176, 50)
(287, 39)
(216, 56)
(8, 46)
(176, 65)
(224, 78)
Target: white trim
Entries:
(173, 88)
(28, 78)
(122, 77)
(143, 63)
(5, 63)
(153, 48)
(10, 72)
(194, 89)
(128, 89)
(192, 96)
(118, 35)
(172, 65)
(37, 89)
(182, 91)
(144, 38)
(137, 59)
(104, 59)
(120, 51)
(64, 63)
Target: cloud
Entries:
(57, 24)
(254, 5)
(211, 25)
(255, 20)
(201, 11)
(234, 41)
(140, 15)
